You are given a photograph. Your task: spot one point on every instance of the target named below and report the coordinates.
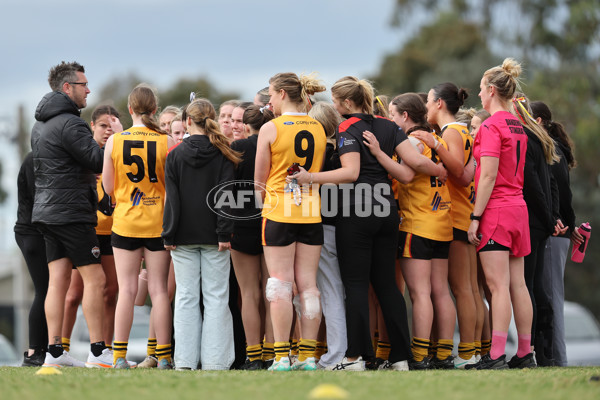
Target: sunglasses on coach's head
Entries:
(78, 83)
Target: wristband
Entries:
(475, 217)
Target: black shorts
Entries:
(460, 235)
(129, 243)
(420, 248)
(282, 234)
(105, 246)
(492, 245)
(77, 242)
(247, 240)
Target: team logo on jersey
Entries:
(136, 197)
(288, 123)
(96, 251)
(344, 141)
(435, 203)
(125, 133)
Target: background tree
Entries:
(558, 42)
(178, 94)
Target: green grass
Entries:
(81, 383)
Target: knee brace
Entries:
(311, 303)
(278, 290)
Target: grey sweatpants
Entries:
(329, 282)
(556, 252)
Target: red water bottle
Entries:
(578, 252)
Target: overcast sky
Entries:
(236, 44)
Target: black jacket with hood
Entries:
(193, 169)
(65, 160)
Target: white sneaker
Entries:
(64, 360)
(397, 366)
(104, 360)
(345, 365)
(461, 363)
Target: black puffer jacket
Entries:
(65, 159)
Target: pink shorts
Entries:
(508, 226)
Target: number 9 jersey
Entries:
(300, 139)
(139, 156)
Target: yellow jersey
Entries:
(425, 204)
(300, 139)
(139, 156)
(463, 197)
(105, 210)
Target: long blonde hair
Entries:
(202, 113)
(523, 111)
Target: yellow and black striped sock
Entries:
(163, 351)
(254, 352)
(321, 349)
(383, 350)
(293, 347)
(109, 346)
(151, 347)
(478, 347)
(486, 346)
(268, 351)
(306, 349)
(444, 349)
(66, 342)
(119, 351)
(420, 348)
(466, 350)
(433, 346)
(282, 349)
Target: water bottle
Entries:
(578, 252)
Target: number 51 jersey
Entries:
(139, 155)
(300, 139)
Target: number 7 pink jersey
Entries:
(139, 156)
(502, 136)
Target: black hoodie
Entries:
(193, 169)
(65, 159)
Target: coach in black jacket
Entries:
(66, 159)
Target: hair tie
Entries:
(192, 96)
(380, 102)
(144, 113)
(519, 101)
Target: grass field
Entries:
(81, 383)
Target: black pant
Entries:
(542, 326)
(33, 248)
(366, 248)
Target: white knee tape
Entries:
(278, 290)
(311, 303)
